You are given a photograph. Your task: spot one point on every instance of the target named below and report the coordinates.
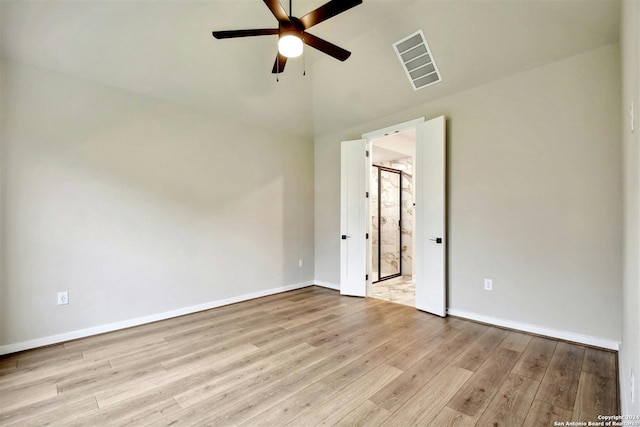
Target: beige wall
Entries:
(139, 207)
(630, 349)
(535, 197)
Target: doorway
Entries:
(430, 242)
(392, 221)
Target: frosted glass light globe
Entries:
(290, 46)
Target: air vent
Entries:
(417, 60)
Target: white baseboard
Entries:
(538, 330)
(327, 285)
(82, 333)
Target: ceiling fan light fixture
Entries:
(290, 45)
(292, 31)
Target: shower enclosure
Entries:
(386, 207)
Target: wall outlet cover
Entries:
(63, 298)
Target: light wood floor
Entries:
(304, 358)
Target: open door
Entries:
(353, 215)
(431, 242)
(430, 191)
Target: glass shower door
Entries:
(387, 236)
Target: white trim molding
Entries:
(82, 333)
(326, 285)
(538, 330)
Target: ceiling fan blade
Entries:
(278, 11)
(326, 47)
(327, 11)
(279, 63)
(244, 33)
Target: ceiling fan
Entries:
(292, 31)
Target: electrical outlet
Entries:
(63, 298)
(300, 263)
(488, 284)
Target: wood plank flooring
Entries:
(305, 358)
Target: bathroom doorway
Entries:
(428, 239)
(392, 223)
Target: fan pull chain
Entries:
(304, 63)
(278, 68)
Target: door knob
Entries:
(437, 240)
(345, 237)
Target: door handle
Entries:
(437, 240)
(345, 237)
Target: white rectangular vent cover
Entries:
(416, 59)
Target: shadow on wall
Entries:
(112, 194)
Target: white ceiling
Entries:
(164, 49)
(393, 147)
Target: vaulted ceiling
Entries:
(164, 49)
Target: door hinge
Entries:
(366, 277)
(367, 235)
(367, 194)
(367, 153)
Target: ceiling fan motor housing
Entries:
(294, 24)
(292, 28)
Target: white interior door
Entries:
(431, 242)
(353, 215)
